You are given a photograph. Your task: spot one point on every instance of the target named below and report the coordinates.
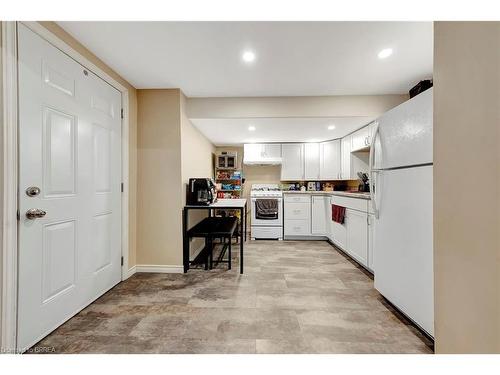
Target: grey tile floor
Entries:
(295, 297)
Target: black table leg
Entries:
(185, 240)
(229, 254)
(207, 244)
(211, 242)
(241, 241)
(246, 213)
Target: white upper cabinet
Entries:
(330, 160)
(346, 157)
(262, 153)
(311, 161)
(292, 166)
(371, 129)
(360, 139)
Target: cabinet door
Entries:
(311, 161)
(360, 139)
(252, 152)
(369, 133)
(371, 219)
(319, 215)
(292, 167)
(338, 234)
(330, 160)
(346, 157)
(357, 235)
(272, 150)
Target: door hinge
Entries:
(18, 215)
(122, 113)
(122, 187)
(122, 261)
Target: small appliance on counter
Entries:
(200, 192)
(327, 186)
(311, 186)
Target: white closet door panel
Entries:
(72, 253)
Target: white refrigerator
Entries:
(401, 189)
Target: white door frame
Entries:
(9, 258)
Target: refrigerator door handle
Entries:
(372, 170)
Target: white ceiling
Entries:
(293, 58)
(223, 132)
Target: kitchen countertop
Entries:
(360, 195)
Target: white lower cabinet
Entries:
(297, 215)
(339, 234)
(356, 224)
(371, 255)
(319, 211)
(297, 227)
(355, 235)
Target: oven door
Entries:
(271, 221)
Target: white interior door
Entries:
(70, 154)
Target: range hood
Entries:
(262, 154)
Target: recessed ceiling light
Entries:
(386, 52)
(248, 56)
(251, 128)
(331, 127)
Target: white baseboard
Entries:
(158, 268)
(130, 272)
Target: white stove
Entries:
(267, 211)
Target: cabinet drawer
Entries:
(297, 227)
(297, 211)
(297, 198)
(352, 203)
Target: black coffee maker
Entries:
(200, 192)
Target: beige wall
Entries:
(170, 151)
(159, 189)
(466, 213)
(68, 39)
(197, 161)
(298, 106)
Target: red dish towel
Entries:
(338, 214)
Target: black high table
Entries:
(231, 204)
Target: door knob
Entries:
(34, 213)
(32, 191)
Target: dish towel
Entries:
(338, 214)
(266, 209)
